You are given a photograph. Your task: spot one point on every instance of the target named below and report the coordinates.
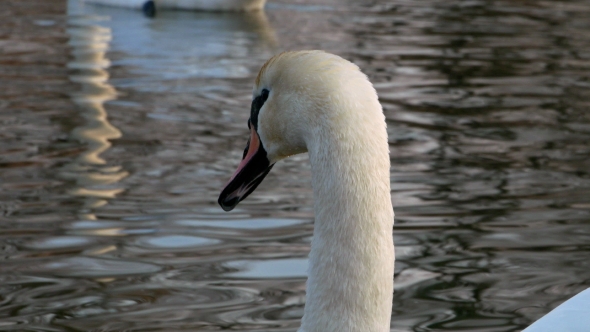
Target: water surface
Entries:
(118, 132)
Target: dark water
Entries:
(118, 131)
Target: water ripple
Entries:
(119, 130)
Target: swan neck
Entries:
(350, 281)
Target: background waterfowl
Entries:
(200, 5)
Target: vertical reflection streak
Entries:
(95, 179)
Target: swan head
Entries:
(297, 96)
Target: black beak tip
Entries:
(228, 204)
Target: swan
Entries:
(320, 103)
(202, 5)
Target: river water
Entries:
(118, 132)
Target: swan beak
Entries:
(250, 173)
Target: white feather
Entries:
(204, 5)
(323, 104)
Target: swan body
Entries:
(315, 102)
(203, 5)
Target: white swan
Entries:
(319, 103)
(204, 5)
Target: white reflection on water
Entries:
(96, 180)
(276, 268)
(240, 223)
(177, 44)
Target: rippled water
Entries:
(118, 132)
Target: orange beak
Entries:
(249, 174)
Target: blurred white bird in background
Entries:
(150, 6)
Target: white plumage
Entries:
(322, 104)
(204, 5)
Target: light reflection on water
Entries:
(179, 45)
(95, 179)
(108, 200)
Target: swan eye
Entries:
(257, 104)
(264, 95)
